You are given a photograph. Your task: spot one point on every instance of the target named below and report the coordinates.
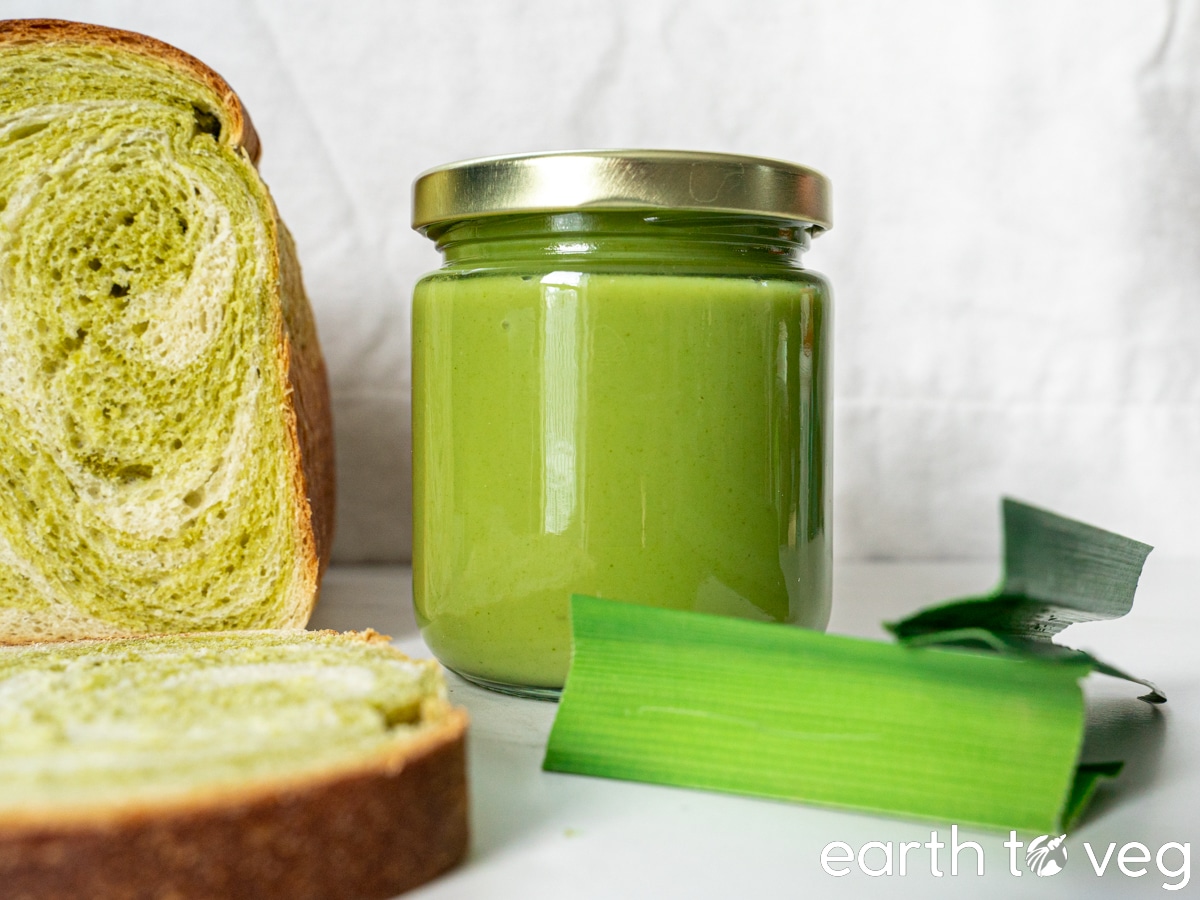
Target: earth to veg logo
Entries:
(1046, 855)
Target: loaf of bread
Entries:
(165, 440)
(278, 764)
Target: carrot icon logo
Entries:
(1046, 855)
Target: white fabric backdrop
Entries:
(1016, 254)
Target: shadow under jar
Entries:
(620, 388)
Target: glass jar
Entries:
(620, 388)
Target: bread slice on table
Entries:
(281, 764)
(165, 439)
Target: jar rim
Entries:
(599, 180)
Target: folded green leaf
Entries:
(976, 717)
(754, 708)
(1057, 571)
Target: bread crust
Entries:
(309, 414)
(357, 836)
(369, 828)
(61, 31)
(310, 400)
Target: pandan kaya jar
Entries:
(620, 388)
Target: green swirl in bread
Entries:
(88, 724)
(164, 430)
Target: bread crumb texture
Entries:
(90, 723)
(147, 470)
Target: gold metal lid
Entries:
(621, 180)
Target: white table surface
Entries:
(548, 835)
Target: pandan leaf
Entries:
(1057, 572)
(976, 717)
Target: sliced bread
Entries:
(165, 438)
(278, 764)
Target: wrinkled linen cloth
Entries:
(1017, 219)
